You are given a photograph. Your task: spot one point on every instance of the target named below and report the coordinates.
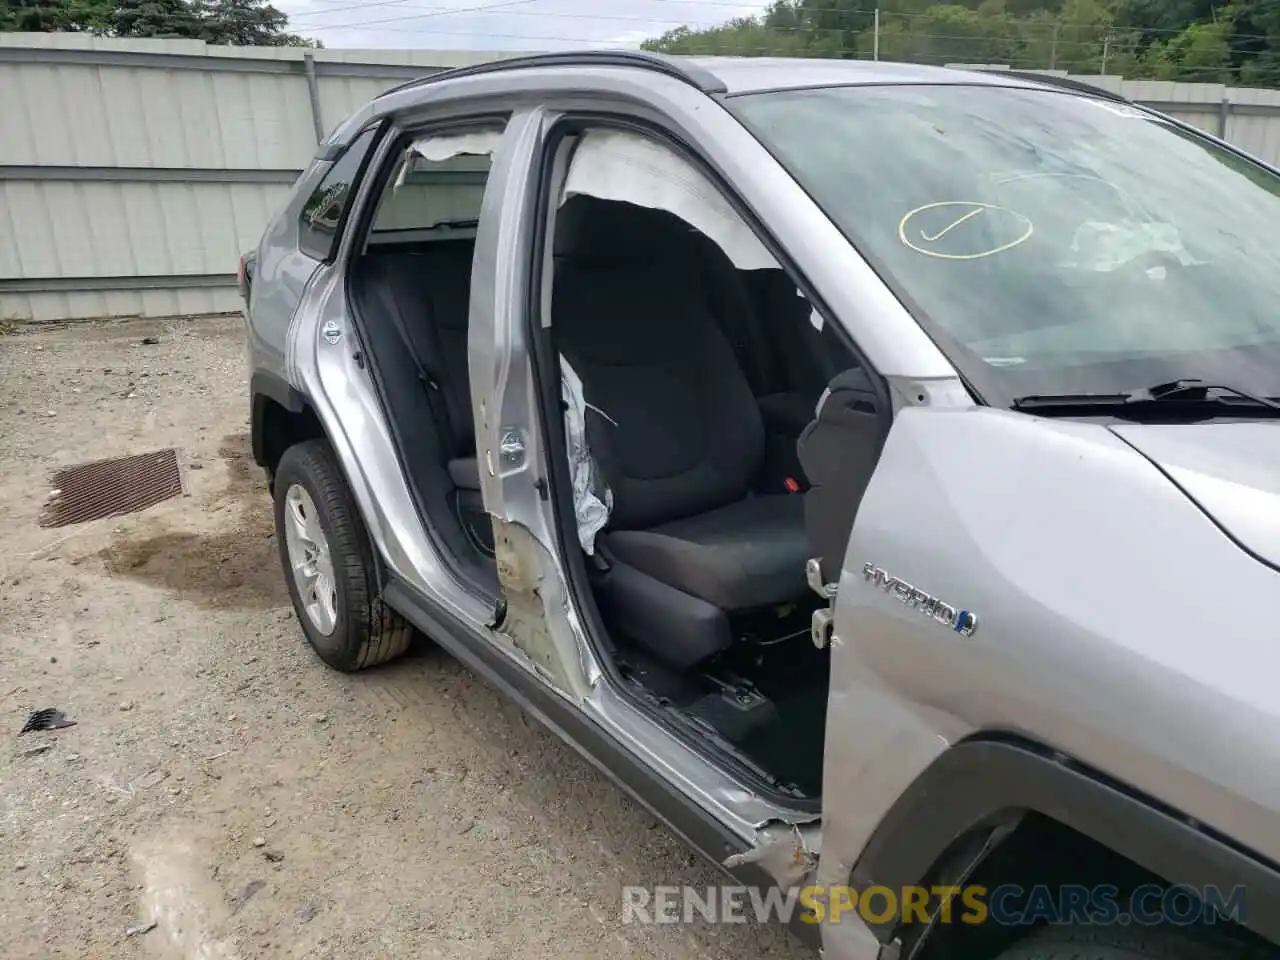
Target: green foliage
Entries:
(244, 23)
(42, 16)
(153, 18)
(1220, 41)
(746, 37)
(1201, 52)
(947, 32)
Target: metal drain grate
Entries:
(112, 488)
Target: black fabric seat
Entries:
(430, 286)
(676, 431)
(748, 554)
(415, 301)
(448, 286)
(839, 450)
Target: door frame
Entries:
(520, 496)
(558, 509)
(400, 522)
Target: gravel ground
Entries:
(220, 782)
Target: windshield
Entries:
(1051, 243)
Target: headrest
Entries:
(593, 231)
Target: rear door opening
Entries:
(410, 285)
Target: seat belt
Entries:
(439, 406)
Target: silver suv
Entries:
(851, 459)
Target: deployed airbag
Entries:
(628, 167)
(592, 498)
(477, 143)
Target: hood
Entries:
(1231, 470)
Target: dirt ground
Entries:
(220, 782)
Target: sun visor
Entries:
(627, 167)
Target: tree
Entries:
(946, 33)
(745, 37)
(245, 23)
(1200, 53)
(50, 16)
(1189, 40)
(836, 25)
(238, 22)
(1071, 40)
(1255, 41)
(1159, 19)
(154, 18)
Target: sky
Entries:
(501, 24)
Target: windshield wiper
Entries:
(1191, 392)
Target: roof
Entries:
(734, 75)
(756, 74)
(721, 76)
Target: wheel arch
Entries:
(956, 813)
(280, 416)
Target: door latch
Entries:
(511, 450)
(820, 625)
(813, 576)
(820, 628)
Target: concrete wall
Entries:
(134, 173)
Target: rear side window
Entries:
(438, 187)
(323, 213)
(431, 194)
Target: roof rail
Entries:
(704, 80)
(1066, 83)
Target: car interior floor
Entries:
(765, 698)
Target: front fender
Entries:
(1108, 627)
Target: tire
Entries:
(1121, 943)
(343, 617)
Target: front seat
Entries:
(676, 432)
(838, 451)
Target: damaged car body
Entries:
(782, 435)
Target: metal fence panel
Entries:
(81, 230)
(133, 173)
(51, 305)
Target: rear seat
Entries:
(430, 288)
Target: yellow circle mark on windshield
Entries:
(964, 212)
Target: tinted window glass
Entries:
(429, 194)
(324, 210)
(1053, 243)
